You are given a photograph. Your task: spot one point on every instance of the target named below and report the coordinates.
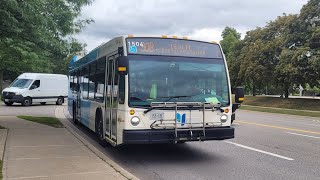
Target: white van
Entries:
(31, 88)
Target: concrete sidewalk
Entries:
(36, 151)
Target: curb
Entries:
(3, 141)
(61, 116)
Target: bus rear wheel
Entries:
(99, 129)
(74, 115)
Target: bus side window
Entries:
(100, 80)
(121, 89)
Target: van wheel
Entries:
(59, 101)
(8, 103)
(43, 103)
(99, 129)
(26, 101)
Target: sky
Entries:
(196, 19)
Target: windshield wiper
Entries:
(136, 98)
(170, 97)
(173, 97)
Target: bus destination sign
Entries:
(173, 47)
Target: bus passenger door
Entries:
(108, 95)
(112, 99)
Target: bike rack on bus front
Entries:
(185, 106)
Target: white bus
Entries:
(141, 90)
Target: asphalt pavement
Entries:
(33, 110)
(266, 146)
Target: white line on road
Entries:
(303, 135)
(261, 151)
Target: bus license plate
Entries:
(157, 116)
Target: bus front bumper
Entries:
(168, 135)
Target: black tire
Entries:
(26, 101)
(8, 103)
(43, 103)
(59, 101)
(74, 115)
(99, 129)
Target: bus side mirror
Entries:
(239, 94)
(122, 65)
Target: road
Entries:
(36, 110)
(267, 146)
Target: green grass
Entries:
(277, 102)
(281, 111)
(50, 121)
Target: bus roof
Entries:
(113, 45)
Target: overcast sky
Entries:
(197, 19)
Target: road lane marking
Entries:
(260, 151)
(280, 127)
(303, 135)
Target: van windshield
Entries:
(21, 83)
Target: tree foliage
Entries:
(35, 35)
(283, 54)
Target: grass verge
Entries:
(277, 102)
(282, 111)
(50, 121)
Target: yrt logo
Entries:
(181, 119)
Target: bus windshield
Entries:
(21, 83)
(177, 79)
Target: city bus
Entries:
(144, 90)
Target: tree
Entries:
(254, 71)
(283, 54)
(231, 47)
(230, 38)
(35, 34)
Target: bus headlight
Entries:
(135, 121)
(224, 118)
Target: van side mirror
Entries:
(239, 94)
(122, 65)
